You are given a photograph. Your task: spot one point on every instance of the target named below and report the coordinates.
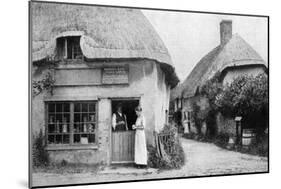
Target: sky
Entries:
(190, 36)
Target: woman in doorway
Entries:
(140, 141)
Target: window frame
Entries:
(71, 144)
(69, 43)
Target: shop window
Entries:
(71, 123)
(69, 48)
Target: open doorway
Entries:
(122, 141)
(128, 108)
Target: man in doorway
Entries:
(119, 120)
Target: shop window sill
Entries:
(72, 147)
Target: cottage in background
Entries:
(233, 57)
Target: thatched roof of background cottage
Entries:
(236, 52)
(106, 32)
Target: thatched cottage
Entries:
(97, 57)
(233, 57)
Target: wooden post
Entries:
(237, 134)
(238, 127)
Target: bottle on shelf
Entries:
(58, 126)
(85, 124)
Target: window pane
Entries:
(66, 118)
(84, 128)
(59, 128)
(77, 128)
(51, 118)
(92, 107)
(65, 128)
(91, 138)
(84, 139)
(92, 117)
(51, 107)
(91, 128)
(51, 128)
(59, 107)
(84, 107)
(77, 118)
(66, 107)
(77, 107)
(58, 118)
(51, 139)
(65, 139)
(60, 48)
(85, 117)
(58, 139)
(77, 138)
(77, 51)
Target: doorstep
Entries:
(122, 170)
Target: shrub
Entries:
(46, 83)
(177, 156)
(64, 162)
(173, 149)
(40, 156)
(221, 140)
(155, 161)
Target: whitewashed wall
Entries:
(146, 81)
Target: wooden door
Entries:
(123, 145)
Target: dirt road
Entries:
(201, 159)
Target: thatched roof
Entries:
(236, 52)
(106, 32)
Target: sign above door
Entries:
(115, 75)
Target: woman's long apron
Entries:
(140, 144)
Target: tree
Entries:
(246, 96)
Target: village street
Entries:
(201, 159)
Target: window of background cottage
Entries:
(71, 123)
(189, 118)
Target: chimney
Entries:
(225, 31)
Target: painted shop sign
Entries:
(115, 75)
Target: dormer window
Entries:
(69, 48)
